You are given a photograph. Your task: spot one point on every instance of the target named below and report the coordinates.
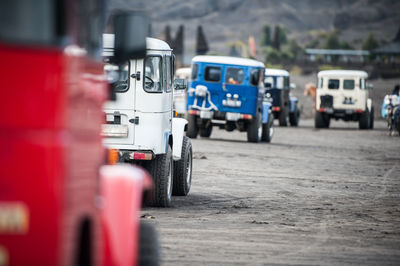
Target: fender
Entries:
(266, 107)
(369, 104)
(121, 194)
(178, 129)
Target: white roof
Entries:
(343, 73)
(156, 44)
(227, 60)
(276, 72)
(151, 43)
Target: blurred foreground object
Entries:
(58, 206)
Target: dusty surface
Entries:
(311, 197)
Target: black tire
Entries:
(371, 119)
(364, 122)
(183, 170)
(149, 247)
(254, 129)
(206, 132)
(321, 120)
(294, 118)
(283, 118)
(268, 130)
(161, 169)
(192, 127)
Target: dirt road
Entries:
(311, 197)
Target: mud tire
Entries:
(183, 170)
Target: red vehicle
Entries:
(58, 204)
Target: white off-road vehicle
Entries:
(140, 126)
(343, 94)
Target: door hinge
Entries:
(134, 120)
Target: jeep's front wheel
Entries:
(161, 169)
(206, 131)
(321, 121)
(364, 121)
(183, 170)
(268, 131)
(192, 127)
(254, 129)
(149, 247)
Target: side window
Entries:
(279, 82)
(195, 69)
(320, 83)
(348, 84)
(333, 84)
(118, 76)
(254, 77)
(362, 84)
(286, 83)
(153, 74)
(234, 76)
(212, 74)
(168, 67)
(269, 82)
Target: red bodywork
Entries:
(50, 159)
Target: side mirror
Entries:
(267, 85)
(369, 86)
(292, 86)
(180, 84)
(131, 30)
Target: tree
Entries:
(332, 41)
(266, 35)
(276, 42)
(279, 37)
(370, 43)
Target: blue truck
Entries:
(228, 92)
(284, 106)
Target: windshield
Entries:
(153, 68)
(117, 76)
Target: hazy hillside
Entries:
(225, 21)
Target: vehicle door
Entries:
(120, 114)
(153, 99)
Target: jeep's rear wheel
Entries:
(294, 118)
(283, 118)
(161, 170)
(254, 129)
(183, 170)
(206, 131)
(371, 121)
(364, 122)
(149, 247)
(192, 127)
(321, 121)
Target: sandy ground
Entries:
(311, 197)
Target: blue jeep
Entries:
(228, 92)
(284, 106)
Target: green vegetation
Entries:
(266, 36)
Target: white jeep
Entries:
(343, 94)
(140, 126)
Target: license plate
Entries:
(115, 131)
(14, 218)
(349, 112)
